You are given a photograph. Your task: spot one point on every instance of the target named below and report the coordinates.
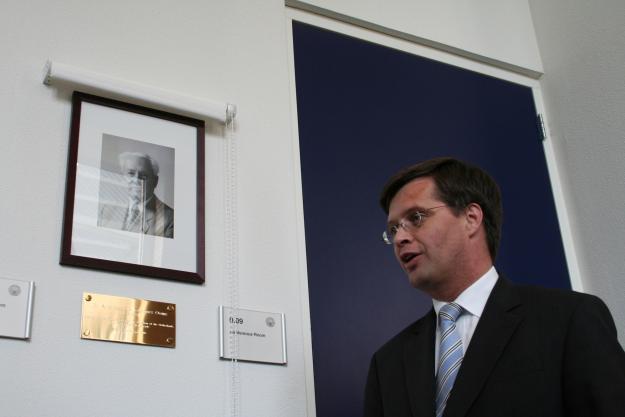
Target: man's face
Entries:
(140, 178)
(432, 254)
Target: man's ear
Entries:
(474, 217)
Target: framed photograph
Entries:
(134, 199)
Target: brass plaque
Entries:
(128, 320)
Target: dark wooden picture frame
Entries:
(131, 172)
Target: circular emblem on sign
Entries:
(270, 321)
(15, 289)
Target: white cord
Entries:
(232, 261)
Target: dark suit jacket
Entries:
(535, 352)
(158, 221)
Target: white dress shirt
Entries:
(472, 300)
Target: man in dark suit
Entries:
(488, 347)
(141, 211)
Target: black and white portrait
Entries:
(136, 187)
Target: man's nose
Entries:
(402, 236)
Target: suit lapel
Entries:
(151, 213)
(419, 366)
(499, 320)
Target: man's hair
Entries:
(126, 155)
(458, 184)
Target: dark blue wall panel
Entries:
(365, 111)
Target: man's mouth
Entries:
(408, 256)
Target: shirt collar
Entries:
(473, 299)
(131, 203)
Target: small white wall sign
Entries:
(249, 335)
(16, 303)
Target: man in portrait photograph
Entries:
(139, 210)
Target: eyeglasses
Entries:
(409, 223)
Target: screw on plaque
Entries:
(15, 290)
(88, 297)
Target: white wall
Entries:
(582, 49)
(493, 31)
(229, 51)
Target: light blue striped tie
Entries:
(450, 354)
